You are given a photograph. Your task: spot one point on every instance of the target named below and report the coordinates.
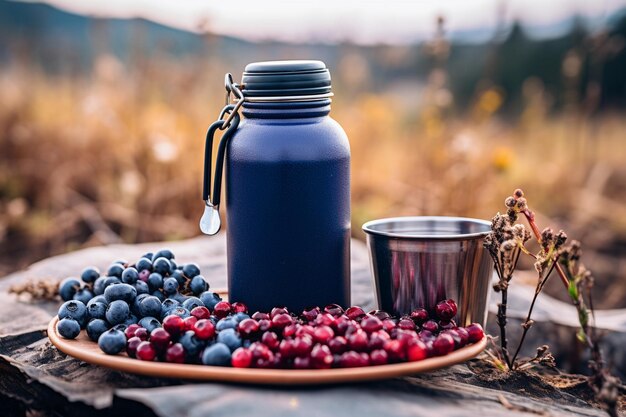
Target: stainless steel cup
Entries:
(419, 261)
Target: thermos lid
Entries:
(286, 78)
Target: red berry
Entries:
(260, 316)
(443, 345)
(238, 307)
(278, 310)
(174, 325)
(221, 309)
(406, 323)
(431, 326)
(160, 339)
(266, 362)
(405, 336)
(475, 332)
(310, 314)
(248, 327)
(463, 335)
(338, 345)
(452, 305)
(445, 311)
(130, 330)
(264, 325)
(175, 353)
(371, 324)
(204, 329)
(321, 357)
(334, 310)
(447, 325)
(377, 340)
(379, 357)
(380, 314)
(324, 319)
(302, 345)
(290, 330)
(282, 320)
(344, 326)
(189, 322)
(355, 313)
(242, 358)
(323, 334)
(395, 350)
(358, 341)
(260, 352)
(353, 359)
(145, 351)
(419, 315)
(131, 346)
(305, 330)
(201, 312)
(287, 348)
(416, 351)
(302, 363)
(426, 336)
(389, 325)
(270, 339)
(142, 333)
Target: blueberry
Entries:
(170, 286)
(98, 299)
(226, 323)
(155, 281)
(198, 285)
(112, 341)
(163, 253)
(149, 323)
(95, 328)
(230, 338)
(161, 265)
(98, 286)
(158, 294)
(240, 317)
(97, 310)
(134, 308)
(150, 306)
(168, 305)
(141, 287)
(115, 270)
(179, 277)
(74, 309)
(84, 295)
(90, 274)
(192, 345)
(178, 297)
(121, 327)
(210, 299)
(216, 355)
(173, 266)
(144, 263)
(117, 312)
(125, 292)
(191, 270)
(179, 311)
(131, 319)
(110, 281)
(68, 287)
(148, 255)
(122, 262)
(68, 328)
(192, 302)
(130, 275)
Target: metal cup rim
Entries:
(367, 228)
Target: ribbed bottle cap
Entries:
(286, 78)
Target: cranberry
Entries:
(395, 350)
(260, 351)
(431, 326)
(310, 314)
(455, 336)
(287, 348)
(321, 357)
(445, 311)
(278, 310)
(443, 344)
(377, 340)
(379, 357)
(142, 333)
(475, 332)
(260, 316)
(324, 319)
(334, 310)
(302, 363)
(160, 339)
(130, 330)
(248, 328)
(452, 305)
(426, 335)
(323, 334)
(371, 324)
(264, 325)
(242, 358)
(174, 325)
(270, 339)
(290, 331)
(346, 327)
(380, 314)
(221, 309)
(416, 351)
(175, 353)
(205, 329)
(302, 345)
(358, 341)
(463, 335)
(406, 323)
(282, 320)
(338, 344)
(305, 330)
(131, 346)
(189, 322)
(405, 336)
(353, 359)
(419, 315)
(145, 351)
(201, 312)
(265, 362)
(238, 307)
(389, 325)
(447, 325)
(355, 313)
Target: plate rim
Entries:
(123, 363)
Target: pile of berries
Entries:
(156, 310)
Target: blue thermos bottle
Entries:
(287, 178)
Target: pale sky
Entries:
(362, 21)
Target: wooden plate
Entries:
(84, 349)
